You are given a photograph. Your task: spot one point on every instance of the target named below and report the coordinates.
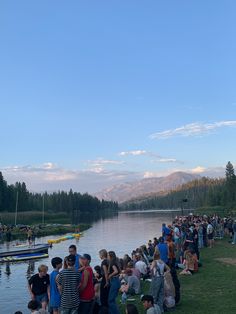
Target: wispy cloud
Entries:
(164, 160)
(99, 165)
(193, 129)
(140, 152)
(134, 153)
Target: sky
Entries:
(96, 93)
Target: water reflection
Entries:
(30, 269)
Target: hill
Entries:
(145, 187)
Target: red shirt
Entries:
(88, 293)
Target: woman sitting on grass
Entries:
(190, 262)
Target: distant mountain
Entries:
(143, 188)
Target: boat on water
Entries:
(64, 238)
(23, 257)
(25, 249)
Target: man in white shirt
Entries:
(140, 265)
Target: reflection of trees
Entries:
(30, 269)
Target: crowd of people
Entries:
(73, 287)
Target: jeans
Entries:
(234, 238)
(85, 307)
(113, 292)
(69, 311)
(157, 291)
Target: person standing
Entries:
(158, 267)
(113, 276)
(210, 234)
(86, 288)
(104, 288)
(39, 286)
(73, 251)
(68, 282)
(234, 232)
(55, 297)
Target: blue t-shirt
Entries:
(165, 231)
(77, 265)
(163, 249)
(55, 297)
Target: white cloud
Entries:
(165, 160)
(193, 129)
(134, 153)
(198, 170)
(99, 165)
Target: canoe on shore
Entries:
(64, 238)
(23, 257)
(27, 249)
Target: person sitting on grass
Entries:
(131, 309)
(190, 262)
(132, 285)
(148, 304)
(141, 266)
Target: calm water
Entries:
(122, 234)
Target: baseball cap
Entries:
(86, 256)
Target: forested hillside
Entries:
(197, 193)
(60, 201)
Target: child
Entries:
(55, 297)
(39, 286)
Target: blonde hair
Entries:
(103, 253)
(156, 255)
(42, 268)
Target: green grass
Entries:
(211, 290)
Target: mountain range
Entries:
(145, 187)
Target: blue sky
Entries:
(85, 84)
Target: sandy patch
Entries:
(227, 260)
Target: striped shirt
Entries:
(69, 280)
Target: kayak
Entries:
(23, 257)
(64, 238)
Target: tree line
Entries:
(203, 192)
(60, 201)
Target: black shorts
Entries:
(210, 236)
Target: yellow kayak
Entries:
(67, 237)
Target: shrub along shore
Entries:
(43, 230)
(210, 291)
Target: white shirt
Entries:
(141, 266)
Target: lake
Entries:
(121, 233)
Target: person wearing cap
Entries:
(86, 288)
(68, 282)
(55, 297)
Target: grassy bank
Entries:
(219, 210)
(213, 289)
